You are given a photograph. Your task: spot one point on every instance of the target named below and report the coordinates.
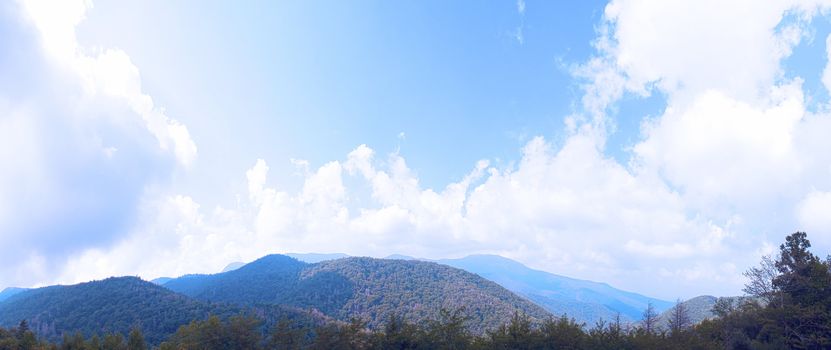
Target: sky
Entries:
(662, 147)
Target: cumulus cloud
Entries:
(733, 163)
(735, 140)
(568, 209)
(79, 141)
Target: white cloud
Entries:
(735, 140)
(568, 210)
(80, 142)
(719, 151)
(813, 212)
(686, 48)
(107, 72)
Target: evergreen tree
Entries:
(242, 332)
(398, 334)
(135, 341)
(93, 343)
(287, 336)
(73, 342)
(114, 341)
(448, 332)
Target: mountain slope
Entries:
(118, 304)
(585, 301)
(367, 288)
(113, 304)
(698, 309)
(9, 292)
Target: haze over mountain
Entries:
(367, 288)
(10, 291)
(697, 309)
(233, 266)
(586, 301)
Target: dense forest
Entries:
(118, 304)
(788, 306)
(364, 288)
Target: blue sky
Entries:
(659, 147)
(311, 80)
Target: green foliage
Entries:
(114, 341)
(135, 341)
(111, 305)
(118, 305)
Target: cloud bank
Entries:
(79, 141)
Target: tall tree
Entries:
(679, 318)
(649, 319)
(760, 280)
(449, 331)
(287, 336)
(803, 277)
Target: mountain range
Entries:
(329, 288)
(370, 289)
(585, 301)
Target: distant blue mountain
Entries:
(585, 301)
(161, 280)
(314, 258)
(9, 292)
(402, 257)
(233, 266)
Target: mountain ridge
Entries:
(367, 288)
(586, 301)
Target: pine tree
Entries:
(135, 341)
(114, 341)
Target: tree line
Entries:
(788, 306)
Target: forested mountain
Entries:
(366, 288)
(8, 292)
(118, 304)
(408, 305)
(110, 305)
(585, 301)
